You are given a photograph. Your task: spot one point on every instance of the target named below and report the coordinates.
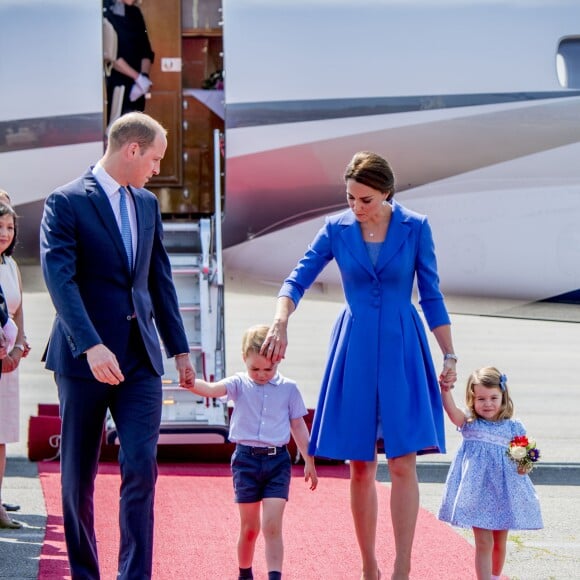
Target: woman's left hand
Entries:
(448, 376)
(12, 360)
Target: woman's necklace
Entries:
(380, 226)
(370, 234)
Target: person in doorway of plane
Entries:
(379, 382)
(130, 72)
(268, 407)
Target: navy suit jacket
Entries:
(3, 309)
(94, 292)
(3, 315)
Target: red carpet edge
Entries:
(196, 527)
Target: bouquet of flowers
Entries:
(523, 451)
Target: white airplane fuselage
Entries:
(475, 104)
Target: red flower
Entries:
(520, 441)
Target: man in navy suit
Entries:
(112, 293)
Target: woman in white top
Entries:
(11, 284)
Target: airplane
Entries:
(51, 103)
(475, 104)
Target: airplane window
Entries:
(568, 63)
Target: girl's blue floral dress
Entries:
(483, 488)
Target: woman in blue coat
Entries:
(379, 382)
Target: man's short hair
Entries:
(134, 127)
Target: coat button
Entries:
(129, 318)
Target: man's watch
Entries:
(20, 347)
(450, 356)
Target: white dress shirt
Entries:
(111, 188)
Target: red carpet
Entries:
(197, 524)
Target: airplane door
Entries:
(163, 20)
(186, 36)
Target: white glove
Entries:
(140, 87)
(10, 333)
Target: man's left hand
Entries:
(185, 370)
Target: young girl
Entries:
(484, 489)
(267, 408)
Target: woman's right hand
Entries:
(276, 341)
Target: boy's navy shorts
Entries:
(258, 473)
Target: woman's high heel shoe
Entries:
(11, 507)
(7, 523)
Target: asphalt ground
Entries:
(536, 346)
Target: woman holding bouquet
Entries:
(488, 487)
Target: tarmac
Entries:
(535, 345)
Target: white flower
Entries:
(531, 443)
(518, 452)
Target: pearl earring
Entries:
(385, 202)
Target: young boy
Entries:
(267, 407)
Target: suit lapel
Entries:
(103, 207)
(139, 213)
(353, 239)
(396, 235)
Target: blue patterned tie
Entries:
(126, 226)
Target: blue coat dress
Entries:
(379, 363)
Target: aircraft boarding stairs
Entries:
(187, 418)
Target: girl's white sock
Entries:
(495, 577)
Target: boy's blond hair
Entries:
(254, 338)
